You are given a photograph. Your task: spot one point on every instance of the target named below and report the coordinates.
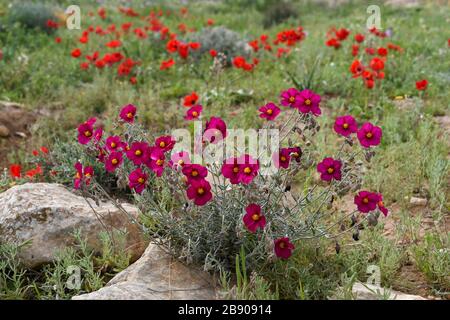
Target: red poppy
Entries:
(382, 52)
(15, 170)
(166, 64)
(84, 65)
(359, 37)
(58, 39)
(114, 44)
(102, 13)
(422, 85)
(377, 64)
(342, 34)
(333, 43)
(190, 100)
(213, 53)
(76, 53)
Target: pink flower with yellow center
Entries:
(254, 219)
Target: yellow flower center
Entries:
(283, 158)
(194, 173)
(195, 114)
(141, 180)
(308, 102)
(255, 217)
(162, 144)
(291, 99)
(295, 154)
(345, 126)
(381, 204)
(159, 162)
(269, 111)
(369, 135)
(180, 162)
(200, 191)
(129, 115)
(87, 175)
(247, 170)
(330, 170)
(366, 200)
(113, 145)
(87, 133)
(236, 169)
(138, 152)
(282, 245)
(114, 161)
(77, 176)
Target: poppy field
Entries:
(285, 148)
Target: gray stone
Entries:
(4, 131)
(48, 214)
(156, 276)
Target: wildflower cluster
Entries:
(217, 207)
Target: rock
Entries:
(418, 202)
(369, 292)
(156, 276)
(47, 214)
(4, 131)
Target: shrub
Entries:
(223, 40)
(31, 15)
(207, 214)
(278, 12)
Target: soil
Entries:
(15, 129)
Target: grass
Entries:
(412, 160)
(75, 270)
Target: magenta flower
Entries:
(98, 134)
(200, 192)
(369, 135)
(156, 161)
(248, 168)
(329, 169)
(113, 161)
(270, 111)
(85, 132)
(128, 113)
(165, 143)
(282, 158)
(194, 172)
(253, 219)
(295, 153)
(101, 154)
(345, 125)
(366, 201)
(78, 175)
(381, 206)
(215, 131)
(114, 143)
(231, 170)
(289, 97)
(85, 174)
(179, 159)
(137, 180)
(193, 112)
(308, 101)
(283, 248)
(138, 152)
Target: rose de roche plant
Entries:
(207, 212)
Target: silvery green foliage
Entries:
(278, 12)
(223, 40)
(31, 15)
